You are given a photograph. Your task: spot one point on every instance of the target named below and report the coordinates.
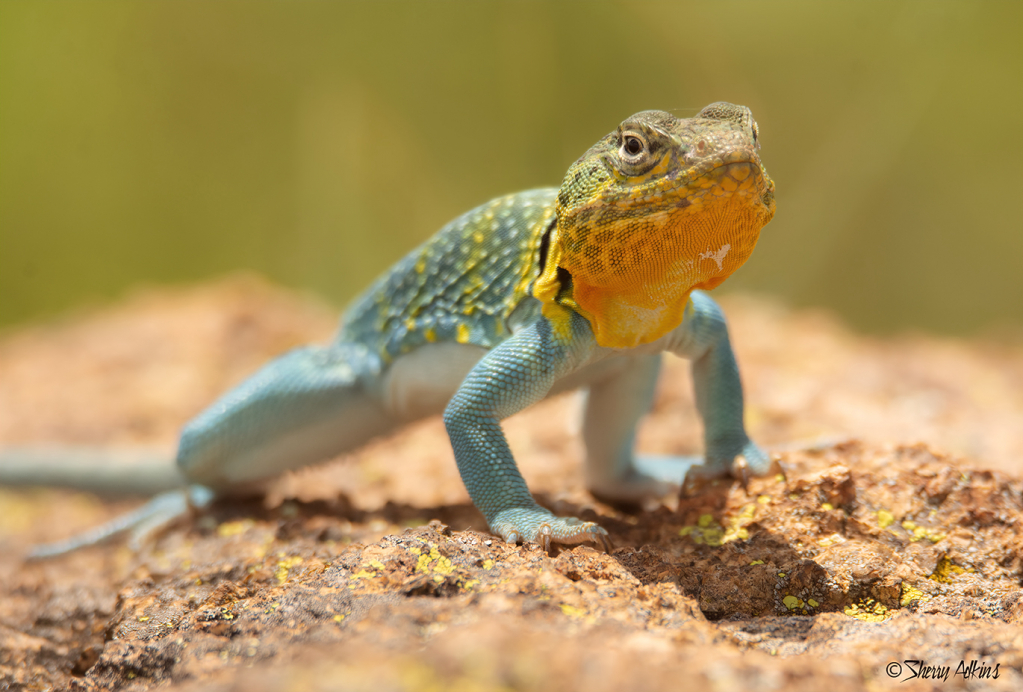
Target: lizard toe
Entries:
(757, 461)
(543, 537)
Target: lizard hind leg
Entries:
(302, 408)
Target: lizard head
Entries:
(657, 208)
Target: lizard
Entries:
(531, 294)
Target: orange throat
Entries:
(631, 277)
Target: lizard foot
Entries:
(751, 461)
(536, 525)
(647, 478)
(143, 523)
(669, 469)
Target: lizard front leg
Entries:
(509, 378)
(703, 338)
(614, 406)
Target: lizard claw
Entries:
(544, 537)
(741, 472)
(605, 542)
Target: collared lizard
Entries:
(530, 294)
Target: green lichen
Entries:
(833, 539)
(946, 571)
(869, 610)
(434, 562)
(573, 612)
(283, 567)
(918, 532)
(706, 531)
(911, 594)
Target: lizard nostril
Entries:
(701, 146)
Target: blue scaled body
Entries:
(534, 293)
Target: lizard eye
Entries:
(633, 148)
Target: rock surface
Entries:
(891, 534)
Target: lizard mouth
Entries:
(739, 181)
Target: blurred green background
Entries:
(316, 142)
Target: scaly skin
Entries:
(655, 210)
(535, 292)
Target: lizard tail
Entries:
(115, 472)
